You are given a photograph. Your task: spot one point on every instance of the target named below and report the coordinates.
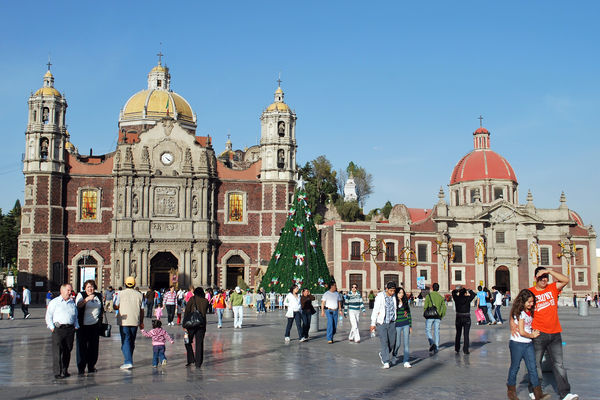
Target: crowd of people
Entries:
(77, 318)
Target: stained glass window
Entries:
(89, 200)
(236, 207)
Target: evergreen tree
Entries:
(298, 257)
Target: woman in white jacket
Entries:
(292, 302)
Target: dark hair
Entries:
(479, 288)
(462, 291)
(156, 323)
(537, 270)
(519, 303)
(91, 282)
(199, 292)
(292, 288)
(404, 298)
(436, 287)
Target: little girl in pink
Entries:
(158, 311)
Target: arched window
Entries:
(87, 267)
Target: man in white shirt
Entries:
(497, 305)
(26, 302)
(383, 318)
(61, 319)
(331, 306)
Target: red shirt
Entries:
(545, 318)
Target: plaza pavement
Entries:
(255, 363)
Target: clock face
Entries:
(166, 158)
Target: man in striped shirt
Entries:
(352, 308)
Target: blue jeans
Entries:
(220, 316)
(332, 321)
(436, 331)
(489, 313)
(128, 334)
(298, 318)
(159, 355)
(387, 339)
(522, 351)
(551, 344)
(402, 333)
(497, 314)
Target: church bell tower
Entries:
(278, 140)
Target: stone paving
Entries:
(255, 363)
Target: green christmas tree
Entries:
(298, 258)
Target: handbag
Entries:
(5, 310)
(195, 319)
(431, 312)
(105, 327)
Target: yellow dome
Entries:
(48, 74)
(277, 106)
(158, 68)
(47, 91)
(69, 146)
(159, 104)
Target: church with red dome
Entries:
(479, 236)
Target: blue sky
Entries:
(395, 87)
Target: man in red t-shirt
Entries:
(545, 319)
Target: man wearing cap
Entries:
(383, 319)
(331, 305)
(131, 315)
(237, 305)
(61, 319)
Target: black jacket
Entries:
(462, 304)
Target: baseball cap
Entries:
(237, 289)
(130, 281)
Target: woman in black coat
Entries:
(195, 335)
(462, 306)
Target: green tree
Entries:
(320, 182)
(10, 225)
(349, 211)
(298, 256)
(387, 209)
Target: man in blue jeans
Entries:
(131, 315)
(331, 306)
(434, 299)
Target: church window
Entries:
(87, 269)
(423, 273)
(579, 256)
(458, 254)
(281, 128)
(158, 83)
(356, 279)
(581, 277)
(422, 252)
(500, 237)
(544, 256)
(389, 251)
(88, 204)
(390, 278)
(44, 144)
(355, 251)
(498, 193)
(280, 159)
(236, 207)
(456, 198)
(56, 117)
(34, 115)
(458, 275)
(46, 115)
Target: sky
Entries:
(396, 87)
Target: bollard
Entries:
(582, 308)
(314, 322)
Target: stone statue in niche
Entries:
(128, 155)
(195, 205)
(120, 204)
(281, 128)
(188, 156)
(145, 155)
(133, 268)
(135, 204)
(194, 269)
(118, 157)
(45, 115)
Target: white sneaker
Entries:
(126, 366)
(381, 359)
(571, 396)
(303, 339)
(357, 341)
(532, 396)
(386, 365)
(287, 339)
(164, 362)
(499, 323)
(407, 365)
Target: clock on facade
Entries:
(167, 158)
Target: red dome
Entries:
(481, 130)
(482, 164)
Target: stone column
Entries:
(203, 268)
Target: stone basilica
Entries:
(163, 207)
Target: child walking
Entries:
(521, 346)
(159, 337)
(158, 311)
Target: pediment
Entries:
(505, 212)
